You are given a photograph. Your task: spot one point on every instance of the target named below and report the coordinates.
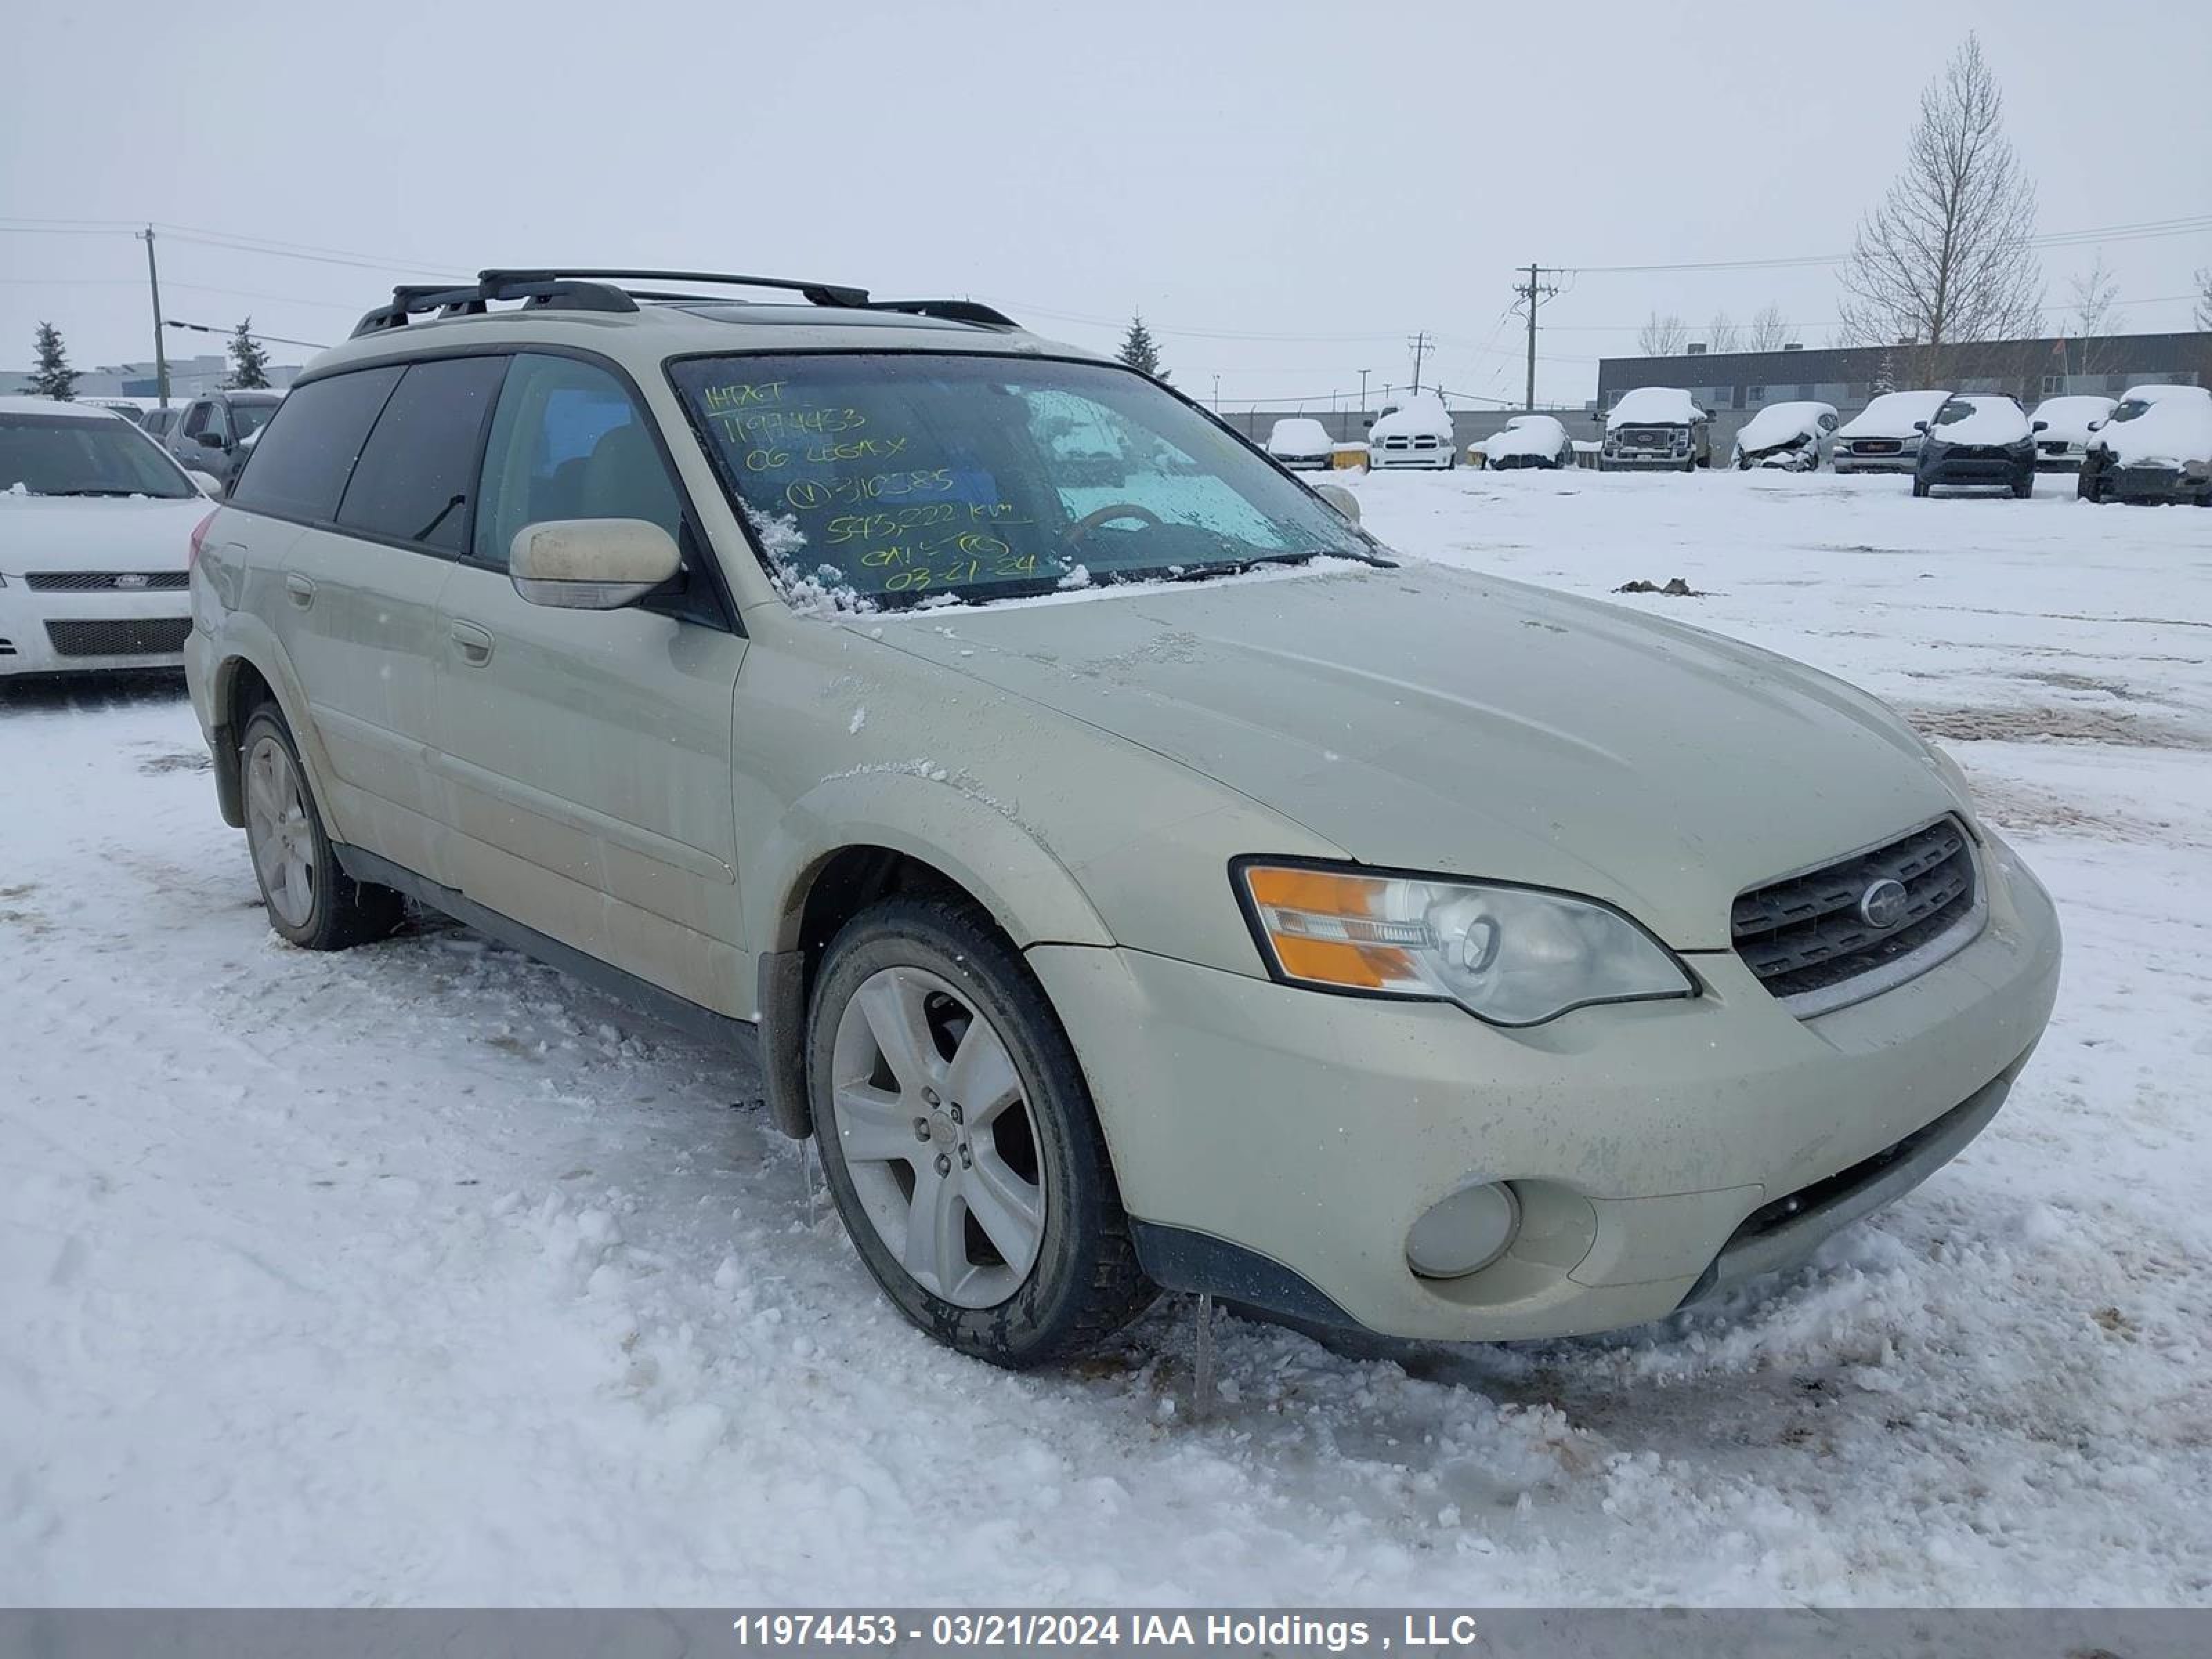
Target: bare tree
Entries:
(1769, 332)
(1722, 333)
(2091, 319)
(2204, 298)
(1948, 256)
(1662, 337)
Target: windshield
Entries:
(1960, 407)
(72, 455)
(898, 478)
(247, 419)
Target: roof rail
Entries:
(595, 289)
(535, 289)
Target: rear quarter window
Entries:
(299, 466)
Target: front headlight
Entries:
(1513, 956)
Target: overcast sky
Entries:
(1288, 191)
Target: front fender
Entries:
(945, 819)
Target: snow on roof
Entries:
(1987, 419)
(2176, 428)
(2067, 419)
(1891, 415)
(1419, 413)
(1526, 434)
(1778, 423)
(1654, 405)
(54, 406)
(1299, 434)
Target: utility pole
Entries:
(160, 353)
(1422, 346)
(1533, 293)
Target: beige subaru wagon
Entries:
(1129, 872)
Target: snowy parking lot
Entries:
(422, 1274)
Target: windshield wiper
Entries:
(93, 489)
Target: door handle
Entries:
(475, 642)
(302, 590)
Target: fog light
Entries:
(1464, 1231)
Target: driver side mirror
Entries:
(1920, 426)
(1340, 498)
(2096, 426)
(211, 439)
(2039, 426)
(591, 564)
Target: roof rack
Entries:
(596, 289)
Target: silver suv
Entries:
(1130, 873)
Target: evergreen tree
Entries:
(249, 359)
(1139, 351)
(53, 377)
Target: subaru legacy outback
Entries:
(1130, 873)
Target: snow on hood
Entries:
(2066, 420)
(96, 532)
(1418, 416)
(2174, 427)
(1891, 415)
(1526, 434)
(1298, 435)
(1989, 420)
(1781, 423)
(1654, 405)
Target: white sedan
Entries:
(95, 523)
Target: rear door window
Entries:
(416, 480)
(299, 466)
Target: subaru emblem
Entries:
(1882, 905)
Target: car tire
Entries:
(2024, 488)
(1919, 486)
(1024, 1255)
(310, 900)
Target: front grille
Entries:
(102, 581)
(2050, 448)
(1647, 437)
(1805, 938)
(152, 637)
(1973, 453)
(1875, 445)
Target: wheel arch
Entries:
(916, 831)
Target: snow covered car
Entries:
(1977, 440)
(1656, 428)
(1379, 942)
(1528, 440)
(1793, 436)
(1302, 443)
(1416, 433)
(1885, 435)
(2157, 447)
(2067, 423)
(94, 521)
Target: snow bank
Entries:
(1891, 415)
(2174, 427)
(1988, 419)
(1654, 405)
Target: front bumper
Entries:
(1903, 461)
(1646, 461)
(1409, 460)
(1975, 472)
(100, 632)
(1275, 1145)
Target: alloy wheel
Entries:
(935, 1128)
(279, 832)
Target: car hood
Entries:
(1435, 719)
(92, 533)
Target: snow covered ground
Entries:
(422, 1274)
